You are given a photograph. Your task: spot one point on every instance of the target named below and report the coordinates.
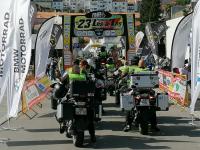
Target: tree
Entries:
(182, 2)
(150, 10)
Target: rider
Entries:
(138, 66)
(103, 55)
(78, 74)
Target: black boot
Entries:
(93, 138)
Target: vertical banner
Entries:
(154, 32)
(150, 37)
(138, 39)
(6, 39)
(180, 42)
(43, 47)
(67, 41)
(21, 54)
(55, 35)
(131, 31)
(195, 57)
(33, 13)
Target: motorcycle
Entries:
(145, 107)
(76, 113)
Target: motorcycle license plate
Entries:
(81, 111)
(144, 102)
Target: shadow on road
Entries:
(41, 142)
(43, 130)
(111, 113)
(108, 142)
(110, 125)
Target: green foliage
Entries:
(182, 2)
(149, 11)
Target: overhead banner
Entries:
(21, 54)
(6, 39)
(98, 23)
(43, 47)
(181, 41)
(195, 57)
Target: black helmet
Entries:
(103, 49)
(59, 91)
(110, 60)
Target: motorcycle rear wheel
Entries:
(78, 138)
(143, 128)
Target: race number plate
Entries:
(144, 102)
(81, 111)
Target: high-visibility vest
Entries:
(124, 69)
(79, 77)
(136, 69)
(110, 66)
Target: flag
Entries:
(55, 35)
(159, 30)
(151, 39)
(21, 54)
(138, 39)
(181, 41)
(43, 47)
(6, 39)
(33, 13)
(195, 57)
(154, 32)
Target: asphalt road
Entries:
(41, 132)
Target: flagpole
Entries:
(192, 120)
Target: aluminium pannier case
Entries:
(162, 102)
(82, 88)
(65, 111)
(145, 80)
(126, 102)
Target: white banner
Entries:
(21, 54)
(6, 39)
(181, 41)
(138, 39)
(42, 47)
(195, 57)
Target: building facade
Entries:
(90, 5)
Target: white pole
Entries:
(192, 120)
